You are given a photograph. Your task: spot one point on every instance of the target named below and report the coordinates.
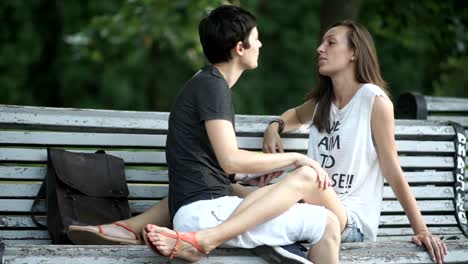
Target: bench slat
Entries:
(398, 252)
(390, 220)
(40, 155)
(422, 162)
(91, 120)
(424, 206)
(139, 206)
(141, 175)
(81, 139)
(145, 141)
(407, 231)
(158, 191)
(38, 173)
(135, 191)
(446, 104)
(158, 158)
(462, 120)
(26, 222)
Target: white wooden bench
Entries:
(412, 105)
(428, 153)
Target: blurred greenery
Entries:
(136, 54)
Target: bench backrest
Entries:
(412, 105)
(428, 153)
(416, 106)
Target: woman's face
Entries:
(334, 53)
(250, 58)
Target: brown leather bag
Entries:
(82, 189)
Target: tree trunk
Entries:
(333, 11)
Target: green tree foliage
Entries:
(422, 44)
(136, 54)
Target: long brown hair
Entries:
(367, 71)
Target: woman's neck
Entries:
(230, 71)
(344, 89)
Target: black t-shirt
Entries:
(194, 171)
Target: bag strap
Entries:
(114, 185)
(40, 195)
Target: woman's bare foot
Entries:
(165, 241)
(113, 230)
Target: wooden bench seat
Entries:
(428, 152)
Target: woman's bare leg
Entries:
(330, 242)
(158, 214)
(258, 209)
(327, 198)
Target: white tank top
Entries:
(349, 156)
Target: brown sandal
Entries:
(84, 235)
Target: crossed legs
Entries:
(259, 207)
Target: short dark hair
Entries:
(222, 29)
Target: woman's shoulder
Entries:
(372, 89)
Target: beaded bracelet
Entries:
(280, 124)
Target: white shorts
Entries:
(302, 222)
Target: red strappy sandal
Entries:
(186, 237)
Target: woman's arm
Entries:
(383, 126)
(234, 160)
(293, 119)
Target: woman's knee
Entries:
(306, 175)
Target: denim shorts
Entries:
(351, 233)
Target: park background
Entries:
(136, 54)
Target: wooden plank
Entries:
(12, 221)
(31, 242)
(24, 221)
(425, 162)
(446, 104)
(429, 176)
(462, 120)
(81, 139)
(23, 234)
(89, 120)
(140, 191)
(148, 175)
(158, 158)
(403, 146)
(413, 146)
(139, 206)
(406, 231)
(40, 155)
(40, 138)
(24, 205)
(424, 206)
(58, 254)
(81, 119)
(38, 173)
(397, 252)
(395, 220)
(158, 191)
(423, 192)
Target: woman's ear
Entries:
(239, 48)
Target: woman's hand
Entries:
(322, 176)
(436, 247)
(265, 179)
(272, 140)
